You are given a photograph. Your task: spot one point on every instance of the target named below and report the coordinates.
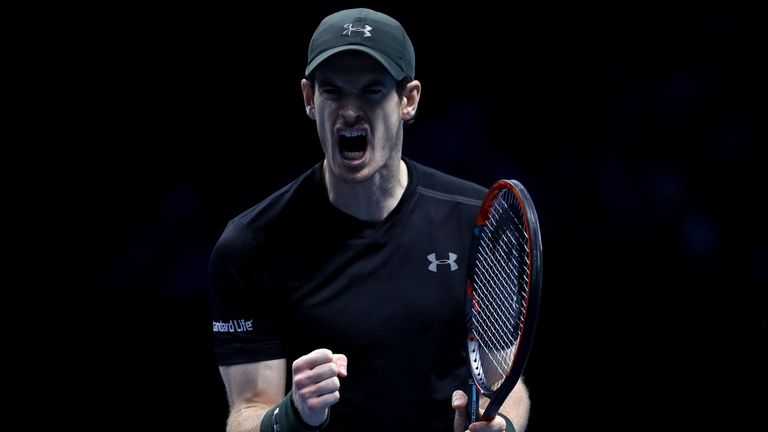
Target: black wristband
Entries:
(509, 427)
(285, 417)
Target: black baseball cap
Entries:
(366, 30)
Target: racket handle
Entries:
(473, 404)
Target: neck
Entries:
(373, 199)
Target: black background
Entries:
(634, 127)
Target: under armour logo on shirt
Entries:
(349, 29)
(451, 260)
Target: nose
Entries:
(350, 113)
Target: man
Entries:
(339, 300)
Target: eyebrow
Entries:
(375, 82)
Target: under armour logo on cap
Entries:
(349, 29)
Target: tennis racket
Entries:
(503, 285)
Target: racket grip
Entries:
(473, 404)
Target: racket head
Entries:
(503, 287)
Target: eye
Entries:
(373, 90)
(330, 90)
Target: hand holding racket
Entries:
(503, 284)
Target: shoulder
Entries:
(246, 231)
(441, 185)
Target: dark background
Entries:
(634, 127)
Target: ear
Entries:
(309, 98)
(411, 99)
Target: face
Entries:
(359, 116)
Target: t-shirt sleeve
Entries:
(244, 326)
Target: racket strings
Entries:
(500, 286)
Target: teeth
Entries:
(352, 133)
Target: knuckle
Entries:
(314, 405)
(303, 394)
(335, 397)
(296, 366)
(335, 383)
(299, 381)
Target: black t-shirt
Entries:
(294, 274)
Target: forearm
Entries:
(247, 418)
(517, 406)
(252, 390)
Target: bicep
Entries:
(258, 383)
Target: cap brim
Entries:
(391, 67)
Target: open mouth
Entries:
(352, 144)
